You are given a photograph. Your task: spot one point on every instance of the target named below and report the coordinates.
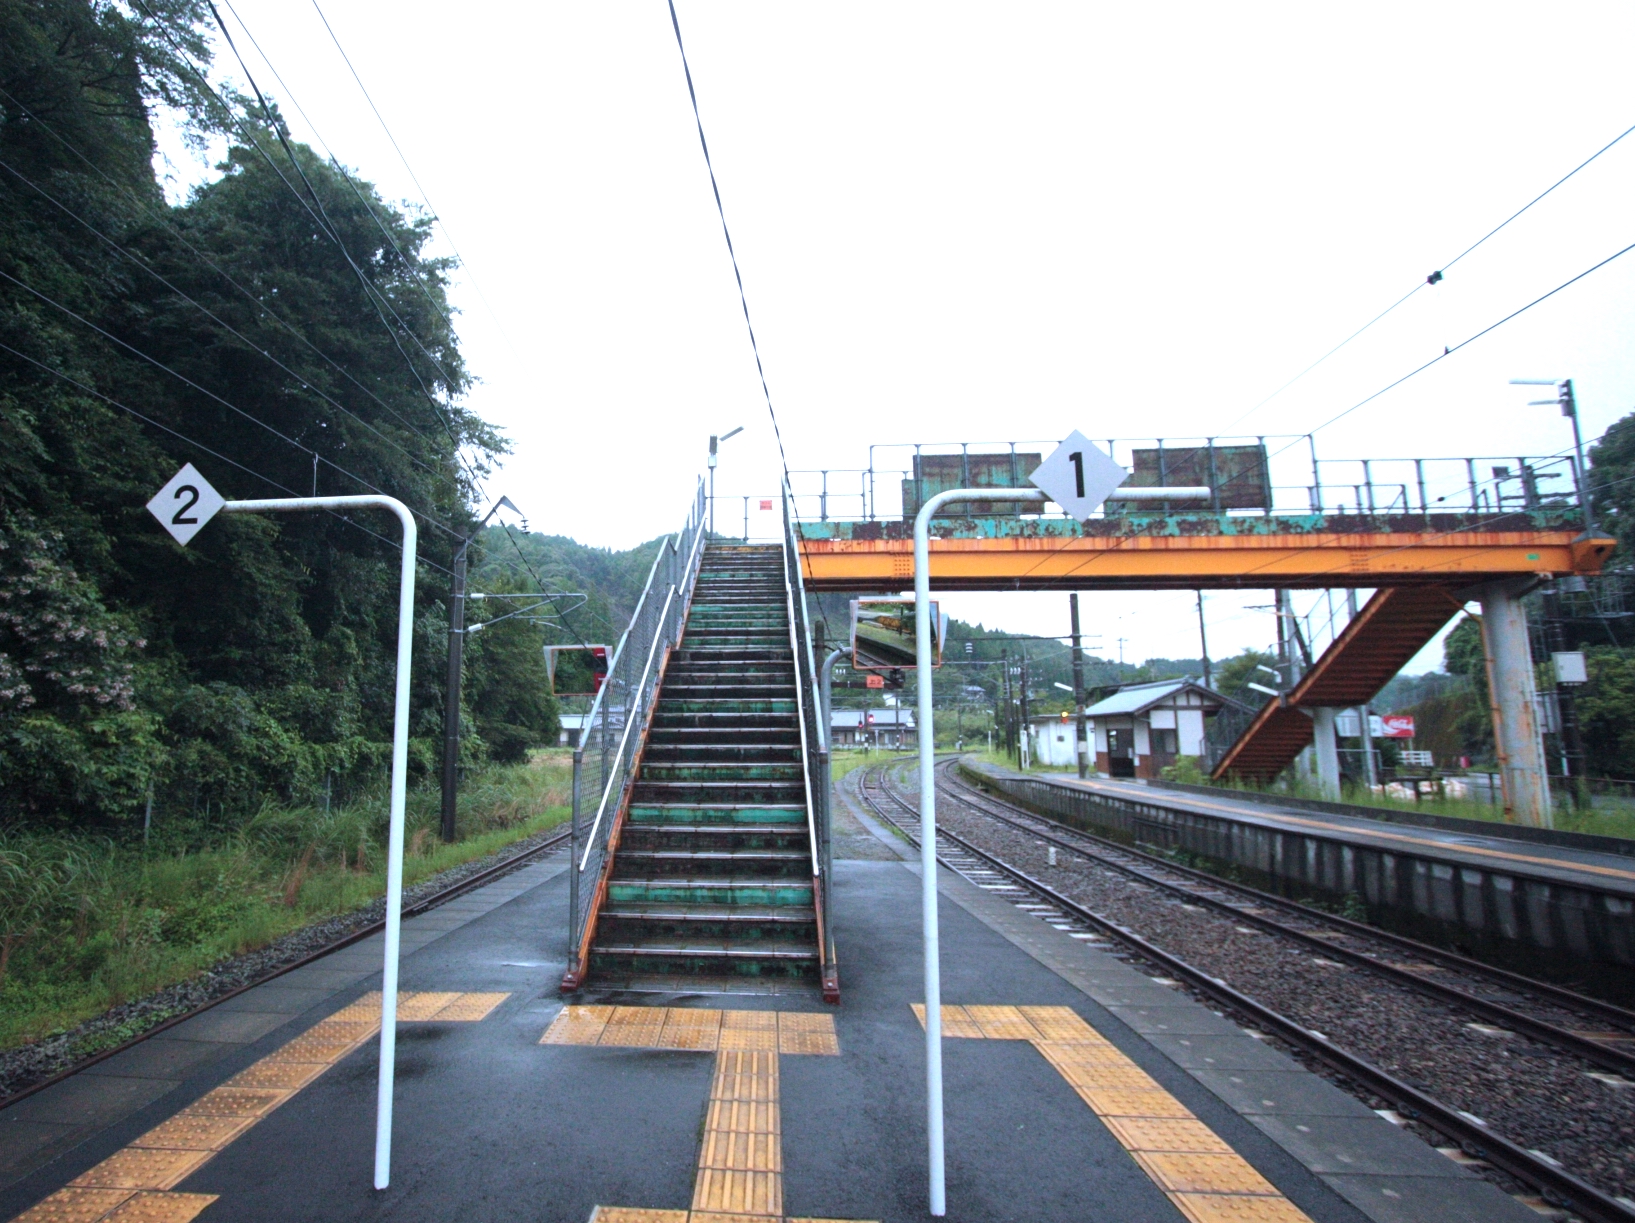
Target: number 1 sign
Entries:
(1078, 476)
(185, 504)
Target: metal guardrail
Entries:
(604, 762)
(814, 745)
(1289, 478)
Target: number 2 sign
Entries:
(185, 504)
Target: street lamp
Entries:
(1569, 408)
(715, 442)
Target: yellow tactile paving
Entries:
(74, 1206)
(1119, 1102)
(1158, 1134)
(284, 1076)
(807, 1032)
(1198, 1171)
(1179, 1172)
(743, 1151)
(738, 1193)
(195, 1133)
(1063, 1023)
(749, 1030)
(577, 1025)
(685, 1028)
(142, 1168)
(634, 1026)
(419, 1007)
(626, 1214)
(1226, 1208)
(1002, 1023)
(743, 1116)
(160, 1207)
(132, 1185)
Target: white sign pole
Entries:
(928, 825)
(178, 506)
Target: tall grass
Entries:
(86, 924)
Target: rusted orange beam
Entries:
(1156, 561)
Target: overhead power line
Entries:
(1448, 352)
(436, 215)
(675, 24)
(215, 454)
(1434, 278)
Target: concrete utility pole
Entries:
(1203, 639)
(1514, 699)
(1078, 688)
(456, 666)
(1022, 694)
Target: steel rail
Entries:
(1555, 994)
(1475, 1135)
(1605, 1056)
(458, 888)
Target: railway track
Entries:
(1473, 1137)
(422, 905)
(1355, 943)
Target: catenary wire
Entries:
(1448, 352)
(1435, 277)
(760, 369)
(436, 216)
(215, 454)
(244, 292)
(276, 432)
(133, 258)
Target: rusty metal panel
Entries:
(937, 473)
(1240, 475)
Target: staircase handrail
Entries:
(814, 764)
(652, 631)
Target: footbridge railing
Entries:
(610, 746)
(814, 738)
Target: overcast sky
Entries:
(991, 222)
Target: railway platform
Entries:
(1078, 1088)
(1555, 905)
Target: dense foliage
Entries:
(281, 330)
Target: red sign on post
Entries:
(766, 506)
(1398, 725)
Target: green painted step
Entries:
(716, 813)
(725, 889)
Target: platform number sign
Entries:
(1078, 475)
(185, 504)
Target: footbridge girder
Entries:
(1203, 551)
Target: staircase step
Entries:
(718, 813)
(713, 890)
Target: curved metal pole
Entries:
(928, 823)
(400, 768)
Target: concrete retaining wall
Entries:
(1561, 932)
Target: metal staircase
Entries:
(713, 877)
(1392, 627)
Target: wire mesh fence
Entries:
(604, 763)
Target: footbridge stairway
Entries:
(1393, 626)
(711, 881)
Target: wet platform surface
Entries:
(1077, 1088)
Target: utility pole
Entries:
(451, 699)
(1078, 688)
(1365, 724)
(456, 664)
(1571, 741)
(1004, 695)
(1023, 695)
(1203, 638)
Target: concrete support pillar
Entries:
(1518, 741)
(1327, 751)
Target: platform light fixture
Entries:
(1568, 403)
(715, 444)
